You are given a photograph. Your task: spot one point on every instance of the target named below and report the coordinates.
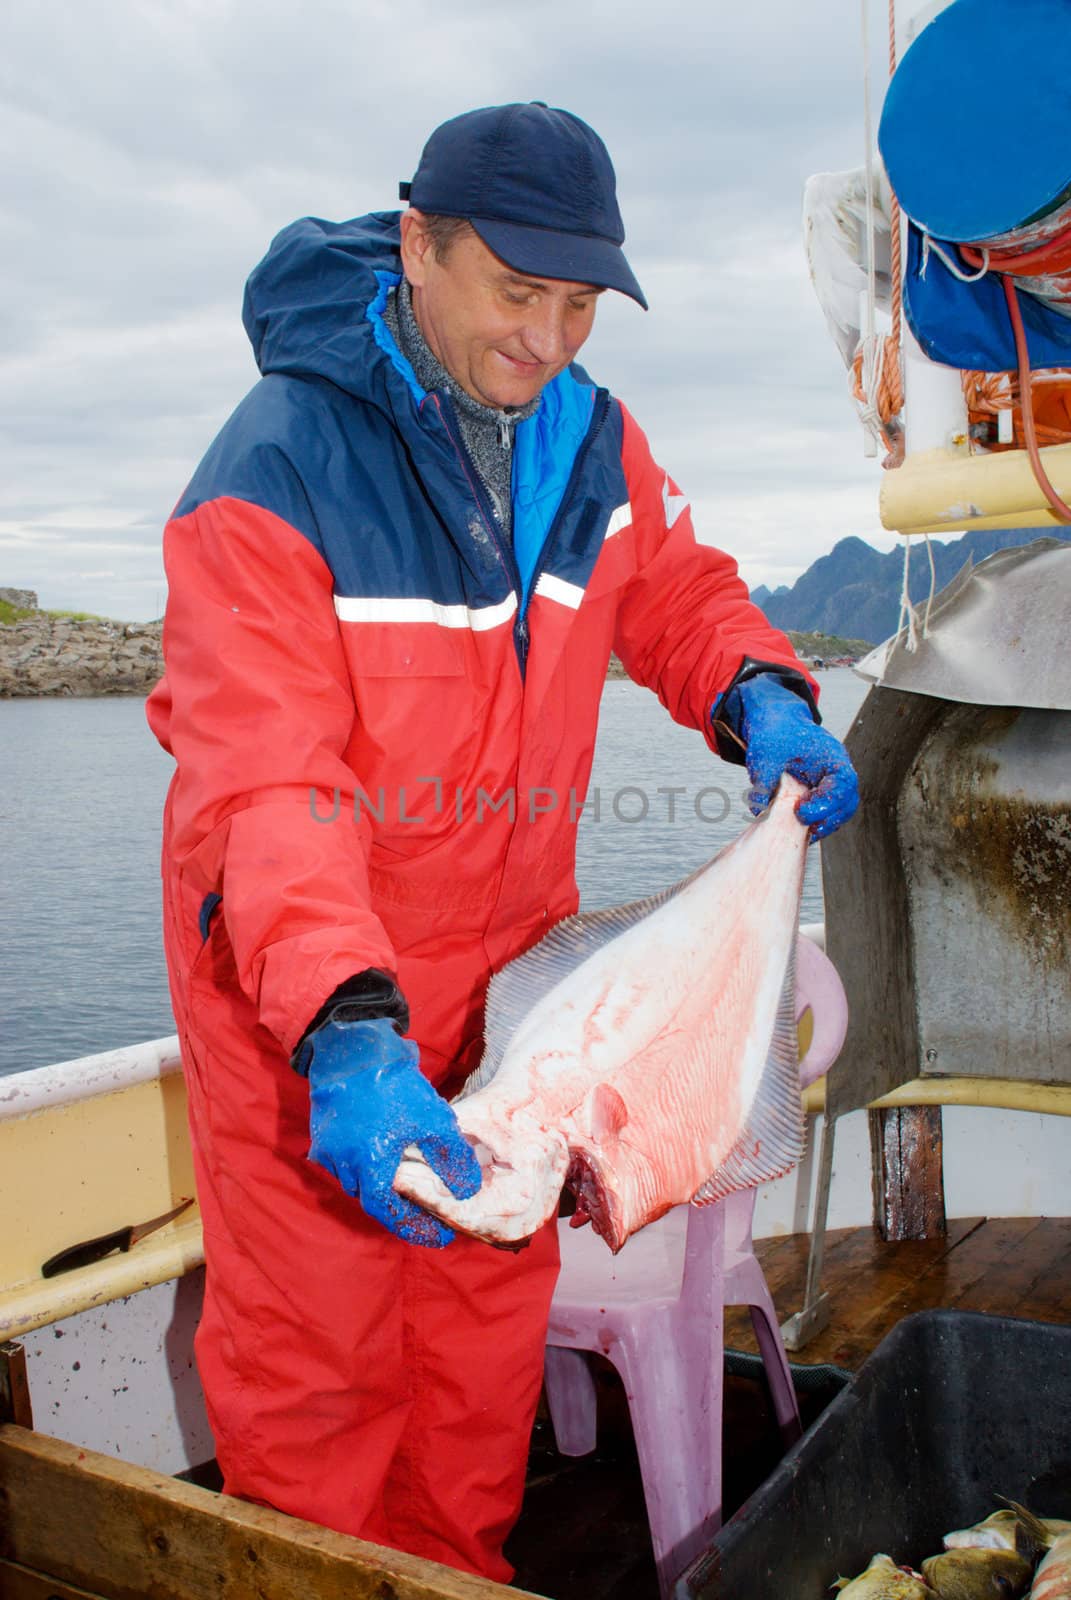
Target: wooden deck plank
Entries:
(19, 1583)
(117, 1530)
(985, 1272)
(995, 1271)
(1047, 1299)
(1015, 1266)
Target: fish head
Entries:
(523, 1167)
(995, 1532)
(597, 1197)
(884, 1580)
(978, 1573)
(604, 1165)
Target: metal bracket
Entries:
(815, 1314)
(805, 1325)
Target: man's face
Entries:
(499, 333)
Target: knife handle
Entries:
(90, 1250)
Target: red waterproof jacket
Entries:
(383, 715)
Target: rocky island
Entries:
(68, 653)
(46, 653)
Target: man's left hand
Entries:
(780, 735)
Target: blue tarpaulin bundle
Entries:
(976, 138)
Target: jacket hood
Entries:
(311, 307)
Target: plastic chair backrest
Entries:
(818, 988)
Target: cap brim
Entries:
(576, 257)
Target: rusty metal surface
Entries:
(997, 634)
(866, 898)
(948, 898)
(985, 828)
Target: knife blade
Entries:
(90, 1250)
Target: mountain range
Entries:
(855, 589)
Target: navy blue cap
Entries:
(537, 185)
(955, 181)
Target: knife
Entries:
(89, 1250)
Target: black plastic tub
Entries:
(952, 1410)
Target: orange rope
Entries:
(1060, 507)
(989, 393)
(1054, 253)
(1010, 262)
(889, 399)
(894, 215)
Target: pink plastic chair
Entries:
(656, 1311)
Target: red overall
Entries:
(368, 782)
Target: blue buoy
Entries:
(976, 128)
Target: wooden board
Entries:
(14, 1386)
(90, 1524)
(19, 1583)
(1007, 1266)
(907, 1150)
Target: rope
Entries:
(876, 377)
(894, 212)
(1055, 252)
(987, 394)
(1009, 262)
(908, 614)
(1060, 508)
(931, 247)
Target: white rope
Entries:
(868, 134)
(872, 346)
(950, 262)
(909, 617)
(933, 587)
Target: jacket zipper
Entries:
(521, 633)
(482, 498)
(595, 427)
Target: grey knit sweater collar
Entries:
(487, 432)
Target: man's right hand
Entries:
(368, 1100)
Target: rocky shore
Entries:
(49, 653)
(46, 653)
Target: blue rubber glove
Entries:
(780, 735)
(368, 1100)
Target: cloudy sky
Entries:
(153, 147)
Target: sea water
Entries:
(81, 964)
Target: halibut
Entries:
(643, 1056)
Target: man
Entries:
(395, 582)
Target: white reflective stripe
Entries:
(621, 518)
(673, 504)
(566, 594)
(375, 608)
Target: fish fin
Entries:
(1031, 1534)
(607, 1111)
(772, 1138)
(520, 985)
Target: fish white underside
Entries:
(646, 1053)
(1052, 1580)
